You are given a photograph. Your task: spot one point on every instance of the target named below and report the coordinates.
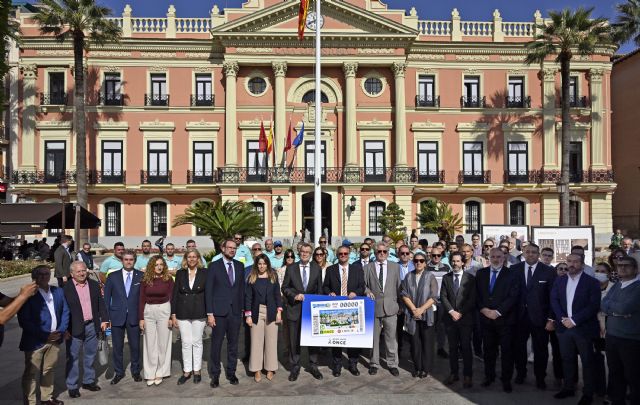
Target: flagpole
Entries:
(317, 213)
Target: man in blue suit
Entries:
(44, 318)
(224, 302)
(575, 300)
(122, 296)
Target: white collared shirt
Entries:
(364, 262)
(48, 299)
(627, 283)
(384, 272)
(572, 284)
(526, 271)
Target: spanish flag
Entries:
(270, 139)
(262, 140)
(302, 18)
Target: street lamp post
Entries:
(562, 188)
(63, 188)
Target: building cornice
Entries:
(202, 125)
(374, 124)
(472, 127)
(427, 126)
(157, 126)
(53, 125)
(111, 125)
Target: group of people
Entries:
(488, 298)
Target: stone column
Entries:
(28, 142)
(548, 76)
(597, 119)
(400, 135)
(230, 69)
(351, 144)
(279, 133)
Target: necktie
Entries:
(230, 272)
(492, 282)
(456, 284)
(127, 283)
(305, 278)
(343, 283)
(529, 275)
(381, 277)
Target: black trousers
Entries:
(539, 343)
(230, 326)
(459, 337)
(623, 358)
(117, 339)
(353, 353)
(572, 345)
(294, 348)
(495, 336)
(477, 333)
(423, 346)
(557, 357)
(400, 332)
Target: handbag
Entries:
(103, 349)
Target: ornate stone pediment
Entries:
(157, 125)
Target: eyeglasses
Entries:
(419, 261)
(383, 251)
(364, 249)
(488, 246)
(562, 268)
(256, 249)
(436, 255)
(323, 241)
(620, 257)
(318, 254)
(405, 253)
(343, 254)
(289, 257)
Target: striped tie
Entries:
(343, 284)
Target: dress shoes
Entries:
(564, 394)
(487, 382)
(443, 354)
(233, 380)
(116, 379)
(137, 377)
(519, 379)
(197, 378)
(467, 383)
(451, 379)
(336, 372)
(423, 374)
(316, 373)
(91, 387)
(294, 375)
(215, 382)
(74, 393)
(415, 374)
(373, 371)
(394, 372)
(52, 401)
(506, 386)
(585, 400)
(541, 385)
(354, 370)
(183, 379)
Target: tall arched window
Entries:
(516, 213)
(158, 218)
(375, 213)
(310, 97)
(258, 207)
(472, 216)
(112, 218)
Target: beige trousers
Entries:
(157, 341)
(39, 365)
(264, 344)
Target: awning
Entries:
(32, 218)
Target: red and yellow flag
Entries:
(302, 18)
(270, 139)
(262, 140)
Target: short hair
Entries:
(169, 244)
(606, 266)
(305, 245)
(465, 245)
(146, 241)
(190, 241)
(545, 249)
(403, 246)
(531, 244)
(420, 254)
(577, 255)
(438, 244)
(416, 237)
(76, 263)
(474, 235)
(86, 243)
(37, 269)
(115, 245)
(65, 238)
(631, 260)
(224, 242)
(129, 252)
(452, 242)
(578, 247)
(381, 244)
(343, 247)
(455, 254)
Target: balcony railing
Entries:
(112, 99)
(42, 177)
(473, 102)
(580, 102)
(431, 176)
(201, 177)
(156, 100)
(301, 175)
(53, 98)
(474, 177)
(584, 176)
(202, 100)
(427, 101)
(107, 176)
(155, 177)
(521, 176)
(517, 102)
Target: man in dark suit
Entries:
(88, 317)
(575, 300)
(43, 319)
(344, 280)
(498, 295)
(535, 317)
(364, 258)
(303, 277)
(63, 258)
(458, 297)
(122, 296)
(224, 302)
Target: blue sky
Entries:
(511, 10)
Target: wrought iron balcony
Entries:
(107, 176)
(42, 177)
(600, 176)
(112, 99)
(59, 98)
(473, 102)
(155, 177)
(431, 176)
(517, 102)
(474, 177)
(579, 102)
(202, 100)
(156, 100)
(427, 101)
(584, 176)
(201, 177)
(301, 175)
(521, 176)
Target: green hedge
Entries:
(9, 268)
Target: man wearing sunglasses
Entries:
(364, 258)
(278, 255)
(382, 280)
(243, 254)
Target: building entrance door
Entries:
(307, 213)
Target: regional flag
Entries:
(262, 141)
(270, 139)
(287, 146)
(298, 141)
(302, 18)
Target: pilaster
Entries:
(280, 72)
(597, 119)
(550, 210)
(350, 69)
(230, 69)
(28, 140)
(548, 76)
(601, 213)
(399, 69)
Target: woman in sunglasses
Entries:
(320, 257)
(288, 259)
(614, 257)
(419, 291)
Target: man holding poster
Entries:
(344, 280)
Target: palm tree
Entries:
(9, 29)
(566, 34)
(222, 220)
(83, 22)
(628, 24)
(438, 217)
